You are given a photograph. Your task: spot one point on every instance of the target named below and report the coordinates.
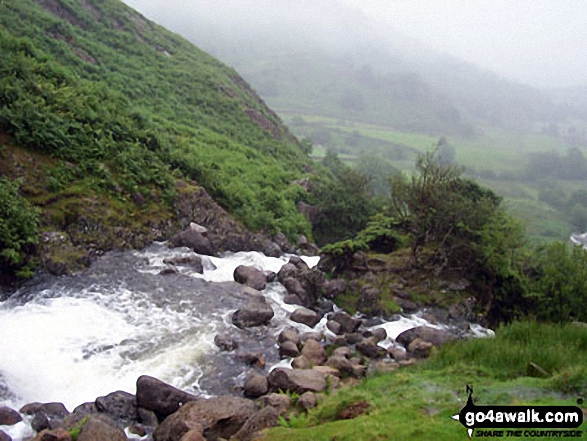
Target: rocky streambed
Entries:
(168, 344)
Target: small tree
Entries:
(439, 207)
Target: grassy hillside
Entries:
(102, 112)
(417, 402)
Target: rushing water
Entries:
(72, 339)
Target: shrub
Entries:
(18, 229)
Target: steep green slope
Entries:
(102, 111)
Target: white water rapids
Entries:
(73, 339)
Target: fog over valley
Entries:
(539, 43)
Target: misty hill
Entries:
(327, 61)
(103, 112)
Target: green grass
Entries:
(125, 108)
(417, 403)
(494, 151)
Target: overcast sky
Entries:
(538, 42)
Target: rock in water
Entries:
(250, 276)
(194, 240)
(9, 417)
(432, 335)
(119, 405)
(161, 398)
(305, 316)
(255, 313)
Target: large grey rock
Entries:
(347, 323)
(301, 362)
(314, 352)
(419, 348)
(51, 409)
(287, 271)
(99, 428)
(305, 316)
(250, 276)
(292, 299)
(288, 349)
(299, 263)
(255, 385)
(192, 239)
(9, 417)
(432, 335)
(289, 334)
(119, 405)
(256, 312)
(225, 343)
(293, 286)
(341, 363)
(334, 327)
(271, 249)
(161, 398)
(369, 348)
(218, 417)
(296, 380)
(264, 418)
(194, 262)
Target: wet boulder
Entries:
(292, 299)
(291, 334)
(250, 276)
(287, 271)
(190, 238)
(225, 343)
(432, 335)
(252, 358)
(347, 323)
(288, 349)
(305, 316)
(118, 405)
(257, 312)
(271, 249)
(194, 262)
(293, 286)
(9, 417)
(159, 397)
(334, 327)
(255, 385)
(214, 418)
(369, 348)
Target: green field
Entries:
(417, 403)
(496, 157)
